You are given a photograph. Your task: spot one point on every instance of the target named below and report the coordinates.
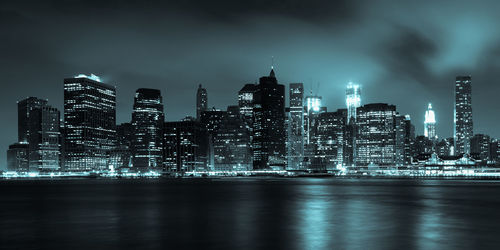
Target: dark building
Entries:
(295, 127)
(147, 125)
(495, 151)
(445, 147)
(122, 154)
(463, 127)
(376, 134)
(89, 123)
(185, 146)
(423, 146)
(201, 101)
(269, 135)
(38, 126)
(211, 120)
(480, 147)
(231, 143)
(405, 139)
(17, 157)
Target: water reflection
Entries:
(249, 213)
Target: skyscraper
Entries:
(312, 109)
(329, 140)
(269, 124)
(463, 129)
(295, 150)
(245, 102)
(147, 124)
(231, 143)
(185, 146)
(89, 123)
(353, 101)
(430, 124)
(38, 125)
(201, 101)
(376, 138)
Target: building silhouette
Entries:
(405, 139)
(38, 126)
(268, 135)
(463, 126)
(147, 125)
(89, 123)
(201, 101)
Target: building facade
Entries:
(17, 157)
(295, 127)
(268, 134)
(185, 146)
(147, 125)
(463, 124)
(231, 143)
(38, 126)
(430, 123)
(89, 123)
(376, 134)
(201, 101)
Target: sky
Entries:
(405, 53)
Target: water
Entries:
(249, 213)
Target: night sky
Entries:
(405, 53)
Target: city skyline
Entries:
(405, 59)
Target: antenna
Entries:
(272, 62)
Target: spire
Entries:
(272, 74)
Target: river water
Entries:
(249, 213)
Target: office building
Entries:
(147, 124)
(38, 126)
(89, 123)
(295, 127)
(268, 134)
(201, 101)
(463, 126)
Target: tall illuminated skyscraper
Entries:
(295, 149)
(353, 101)
(201, 101)
(312, 109)
(430, 123)
(463, 129)
(89, 123)
(147, 124)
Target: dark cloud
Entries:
(408, 54)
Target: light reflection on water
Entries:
(250, 213)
